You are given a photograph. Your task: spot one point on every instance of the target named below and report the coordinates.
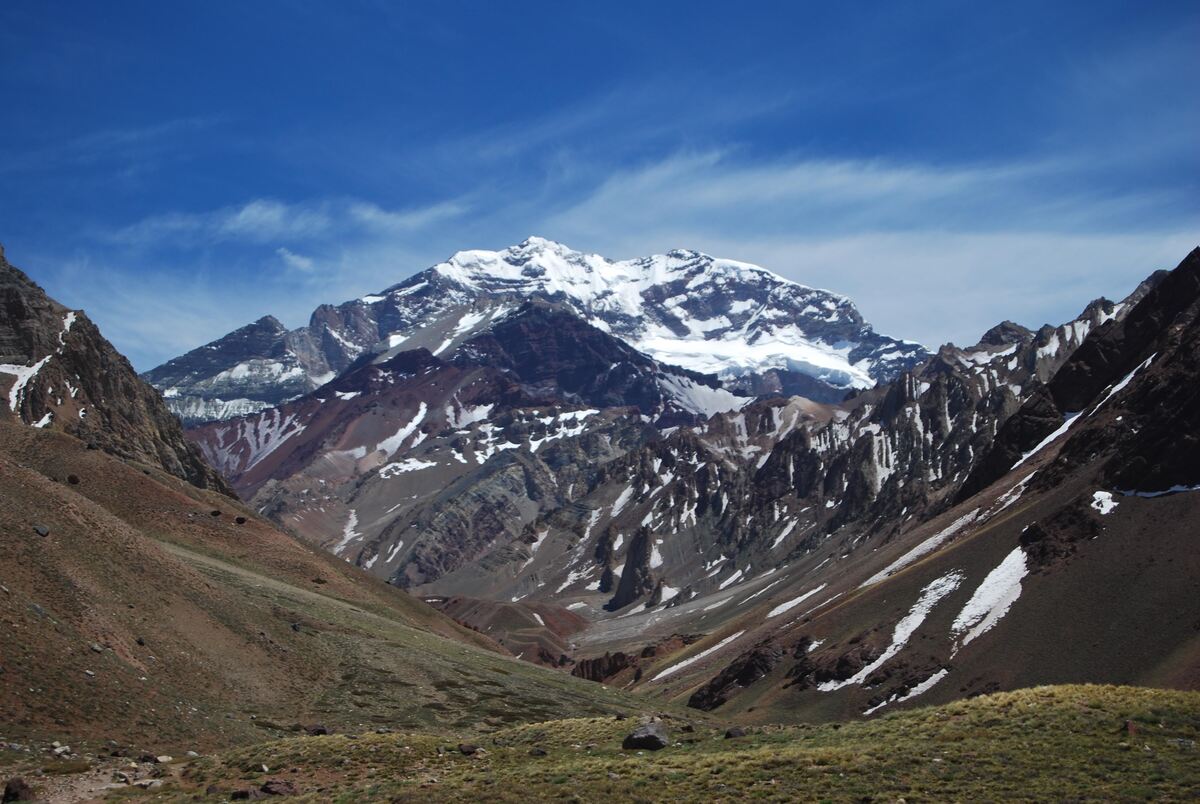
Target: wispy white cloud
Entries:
(715, 190)
(265, 220)
(257, 221)
(297, 261)
(384, 221)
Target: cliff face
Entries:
(57, 371)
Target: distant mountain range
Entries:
(534, 460)
(751, 329)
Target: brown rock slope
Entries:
(140, 609)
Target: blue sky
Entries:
(180, 169)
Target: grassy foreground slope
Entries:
(141, 614)
(1047, 743)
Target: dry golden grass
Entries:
(1048, 743)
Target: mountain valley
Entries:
(543, 468)
(423, 529)
(599, 402)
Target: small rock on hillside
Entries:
(650, 737)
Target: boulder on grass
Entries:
(650, 737)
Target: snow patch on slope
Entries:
(783, 608)
(24, 374)
(701, 399)
(924, 548)
(390, 445)
(675, 668)
(349, 533)
(992, 600)
(1103, 502)
(919, 689)
(406, 465)
(907, 626)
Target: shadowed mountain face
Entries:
(1158, 340)
(756, 331)
(554, 351)
(59, 372)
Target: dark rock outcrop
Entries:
(637, 579)
(556, 353)
(279, 787)
(602, 668)
(650, 737)
(743, 671)
(1050, 542)
(16, 789)
(67, 376)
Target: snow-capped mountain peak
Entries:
(754, 329)
(541, 266)
(687, 308)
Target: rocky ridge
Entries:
(528, 471)
(1082, 537)
(58, 372)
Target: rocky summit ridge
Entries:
(752, 329)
